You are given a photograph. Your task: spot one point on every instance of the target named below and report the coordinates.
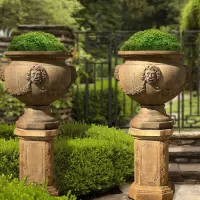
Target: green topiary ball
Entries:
(36, 41)
(151, 39)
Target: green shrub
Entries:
(36, 41)
(100, 159)
(9, 154)
(151, 39)
(73, 130)
(190, 16)
(87, 158)
(7, 131)
(11, 106)
(12, 189)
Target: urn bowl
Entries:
(152, 77)
(38, 78)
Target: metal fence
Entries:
(98, 98)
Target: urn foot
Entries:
(138, 192)
(37, 118)
(152, 117)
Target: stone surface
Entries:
(38, 78)
(184, 173)
(145, 77)
(36, 155)
(151, 165)
(185, 138)
(184, 154)
(152, 118)
(187, 192)
(182, 192)
(37, 118)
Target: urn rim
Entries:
(149, 53)
(57, 54)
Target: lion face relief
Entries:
(151, 74)
(37, 74)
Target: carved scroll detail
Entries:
(37, 76)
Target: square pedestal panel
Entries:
(36, 161)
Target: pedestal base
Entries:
(152, 117)
(36, 157)
(151, 165)
(138, 192)
(37, 118)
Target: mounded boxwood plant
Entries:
(36, 41)
(88, 158)
(151, 39)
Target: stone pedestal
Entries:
(151, 165)
(37, 146)
(151, 78)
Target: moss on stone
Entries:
(152, 40)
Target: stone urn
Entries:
(151, 78)
(37, 79)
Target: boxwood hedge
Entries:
(88, 158)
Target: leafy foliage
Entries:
(11, 106)
(100, 15)
(6, 131)
(60, 12)
(9, 153)
(145, 14)
(96, 158)
(151, 39)
(14, 189)
(190, 16)
(36, 41)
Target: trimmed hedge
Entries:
(151, 39)
(9, 154)
(88, 158)
(6, 131)
(12, 189)
(99, 158)
(36, 41)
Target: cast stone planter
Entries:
(37, 79)
(151, 78)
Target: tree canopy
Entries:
(60, 12)
(101, 15)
